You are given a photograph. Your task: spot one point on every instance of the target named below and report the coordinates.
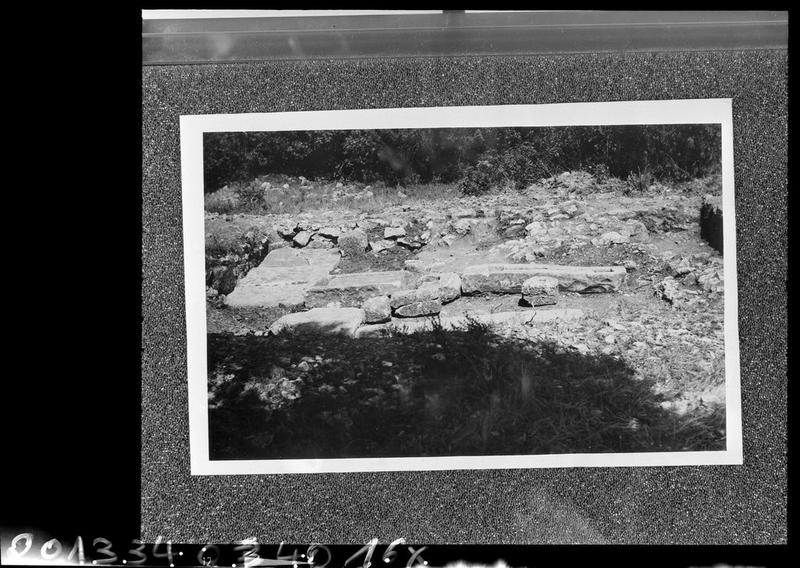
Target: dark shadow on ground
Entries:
(312, 394)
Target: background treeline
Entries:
(474, 157)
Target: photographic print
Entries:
(461, 288)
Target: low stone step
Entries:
(326, 320)
(531, 317)
(508, 278)
(282, 278)
(351, 290)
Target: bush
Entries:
(250, 195)
(223, 201)
(478, 179)
(639, 181)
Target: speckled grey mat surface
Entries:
(694, 505)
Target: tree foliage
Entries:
(516, 157)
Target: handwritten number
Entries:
(415, 556)
(77, 547)
(311, 553)
(137, 552)
(249, 550)
(105, 549)
(47, 552)
(368, 548)
(12, 550)
(167, 554)
(391, 554)
(208, 560)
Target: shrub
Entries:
(477, 179)
(223, 201)
(251, 195)
(639, 181)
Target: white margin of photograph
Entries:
(192, 127)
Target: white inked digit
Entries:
(208, 560)
(249, 549)
(415, 557)
(312, 555)
(111, 557)
(12, 550)
(47, 552)
(138, 551)
(167, 554)
(77, 548)
(391, 554)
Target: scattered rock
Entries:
(393, 232)
(377, 309)
(461, 227)
(540, 290)
(329, 232)
(630, 265)
(378, 246)
(669, 289)
(286, 232)
(680, 267)
(411, 244)
(610, 238)
(353, 243)
(712, 280)
(514, 231)
(536, 228)
(302, 238)
(320, 243)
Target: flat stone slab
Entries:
(508, 278)
(531, 317)
(351, 290)
(417, 309)
(283, 278)
(327, 320)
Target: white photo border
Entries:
(685, 111)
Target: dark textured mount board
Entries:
(659, 505)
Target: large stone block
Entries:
(351, 290)
(445, 285)
(327, 320)
(283, 278)
(540, 290)
(508, 278)
(377, 309)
